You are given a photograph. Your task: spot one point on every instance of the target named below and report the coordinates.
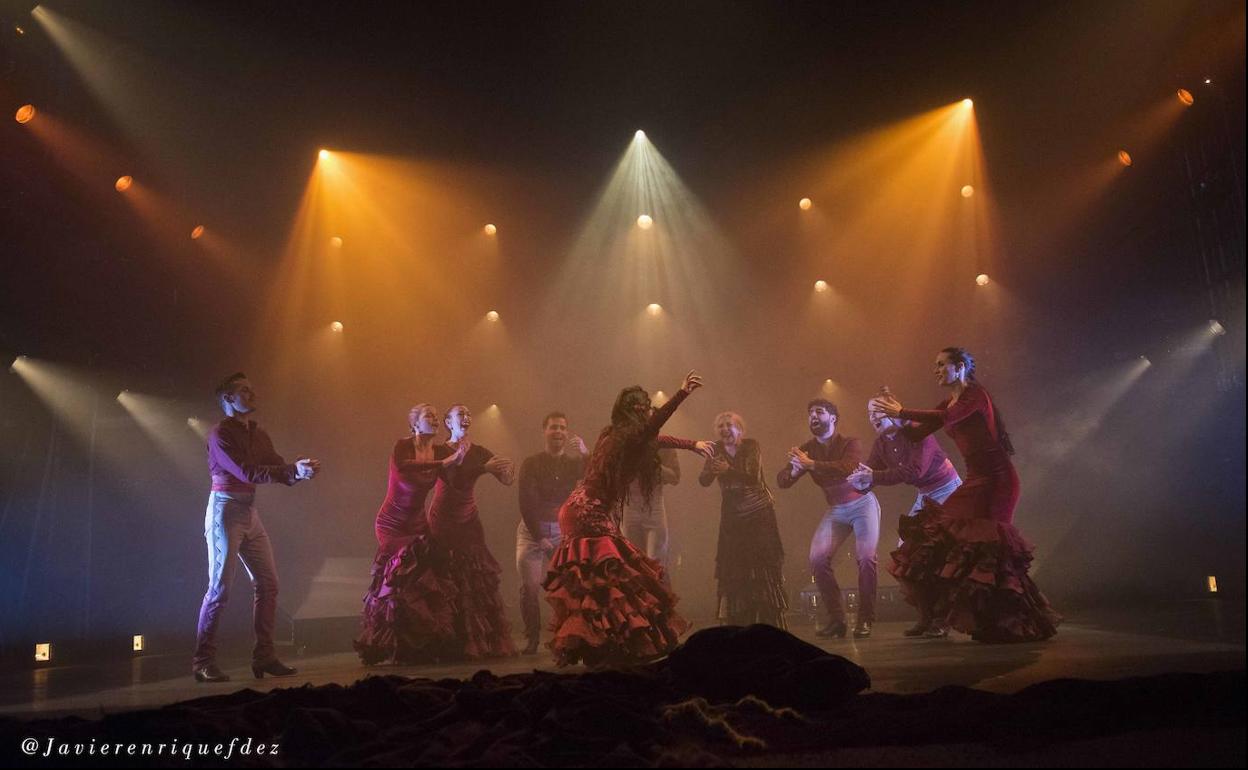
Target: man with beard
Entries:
(830, 458)
(546, 480)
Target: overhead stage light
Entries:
(968, 103)
(492, 316)
(25, 113)
(123, 183)
(491, 230)
(821, 285)
(645, 222)
(804, 204)
(654, 308)
(640, 135)
(982, 279)
(336, 242)
(1216, 328)
(1124, 157)
(967, 191)
(323, 154)
(336, 326)
(197, 232)
(1186, 97)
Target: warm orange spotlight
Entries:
(982, 279)
(19, 30)
(967, 191)
(25, 113)
(323, 154)
(336, 242)
(654, 308)
(336, 326)
(968, 103)
(804, 204)
(1124, 157)
(821, 285)
(645, 222)
(491, 230)
(491, 316)
(197, 233)
(123, 183)
(1186, 97)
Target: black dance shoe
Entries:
(835, 629)
(273, 668)
(862, 629)
(918, 629)
(210, 673)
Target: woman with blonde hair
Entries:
(749, 560)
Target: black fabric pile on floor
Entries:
(728, 696)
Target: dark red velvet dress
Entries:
(966, 552)
(409, 608)
(610, 602)
(481, 625)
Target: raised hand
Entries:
(692, 382)
(578, 444)
(887, 405)
(706, 449)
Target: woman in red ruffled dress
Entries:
(408, 610)
(962, 562)
(481, 625)
(611, 604)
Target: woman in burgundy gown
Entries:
(408, 611)
(481, 627)
(610, 602)
(962, 562)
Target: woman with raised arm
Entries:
(481, 625)
(962, 562)
(610, 602)
(408, 610)
(749, 561)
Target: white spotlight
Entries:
(491, 316)
(982, 279)
(640, 136)
(654, 308)
(645, 222)
(821, 286)
(1216, 328)
(336, 326)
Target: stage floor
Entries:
(1087, 648)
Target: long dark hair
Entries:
(636, 461)
(962, 357)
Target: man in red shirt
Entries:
(240, 456)
(830, 458)
(904, 454)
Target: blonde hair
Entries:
(736, 419)
(414, 414)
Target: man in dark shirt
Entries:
(830, 458)
(546, 480)
(240, 456)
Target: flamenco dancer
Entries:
(905, 454)
(609, 599)
(749, 560)
(962, 562)
(481, 626)
(408, 610)
(240, 456)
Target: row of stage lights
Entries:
(27, 112)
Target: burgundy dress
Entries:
(481, 626)
(611, 604)
(409, 608)
(966, 553)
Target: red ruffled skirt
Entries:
(609, 599)
(481, 625)
(974, 573)
(409, 610)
